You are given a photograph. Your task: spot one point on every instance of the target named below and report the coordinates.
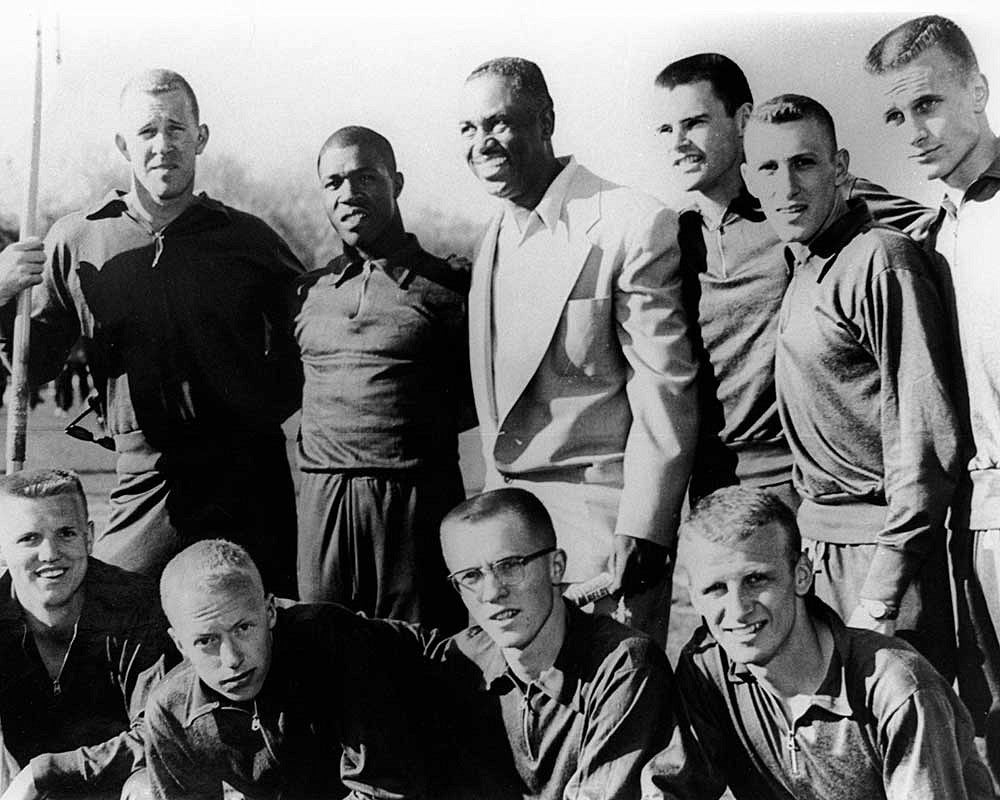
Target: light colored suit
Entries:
(605, 397)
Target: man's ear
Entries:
(557, 566)
(803, 574)
(177, 641)
(980, 93)
(742, 116)
(122, 146)
(547, 119)
(202, 139)
(272, 611)
(397, 182)
(90, 537)
(842, 161)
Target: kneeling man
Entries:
(301, 702)
(580, 699)
(786, 701)
(80, 640)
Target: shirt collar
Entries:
(550, 207)
(559, 681)
(854, 216)
(113, 204)
(832, 692)
(397, 265)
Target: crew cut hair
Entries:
(525, 78)
(37, 483)
(209, 565)
(360, 136)
(733, 514)
(907, 41)
(727, 79)
(512, 501)
(161, 81)
(794, 107)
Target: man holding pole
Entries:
(187, 305)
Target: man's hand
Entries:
(20, 267)
(860, 618)
(636, 564)
(22, 787)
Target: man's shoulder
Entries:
(121, 601)
(171, 696)
(884, 672)
(615, 198)
(598, 644)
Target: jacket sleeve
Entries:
(280, 310)
(652, 330)
(901, 213)
(908, 332)
(174, 770)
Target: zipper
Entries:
(527, 712)
(56, 685)
(256, 725)
(157, 247)
(793, 749)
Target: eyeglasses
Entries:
(505, 571)
(77, 431)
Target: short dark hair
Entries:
(37, 483)
(794, 107)
(727, 79)
(525, 79)
(733, 514)
(907, 41)
(209, 565)
(161, 81)
(358, 135)
(512, 501)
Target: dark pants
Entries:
(236, 489)
(976, 562)
(925, 618)
(371, 542)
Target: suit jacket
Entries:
(607, 377)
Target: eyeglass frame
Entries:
(78, 432)
(520, 561)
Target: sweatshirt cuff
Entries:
(889, 573)
(56, 771)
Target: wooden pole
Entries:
(17, 412)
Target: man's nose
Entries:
(492, 588)
(47, 550)
(230, 653)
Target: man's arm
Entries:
(282, 304)
(21, 266)
(911, 339)
(901, 213)
(627, 721)
(659, 451)
(175, 772)
(928, 752)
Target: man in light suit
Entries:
(581, 364)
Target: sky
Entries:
(274, 79)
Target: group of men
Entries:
(802, 355)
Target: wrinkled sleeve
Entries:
(55, 324)
(174, 770)
(627, 719)
(652, 330)
(910, 336)
(887, 208)
(691, 766)
(281, 307)
(921, 744)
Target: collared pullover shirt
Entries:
(735, 278)
(863, 376)
(968, 237)
(81, 732)
(384, 348)
(883, 724)
(190, 327)
(331, 718)
(583, 729)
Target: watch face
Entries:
(876, 609)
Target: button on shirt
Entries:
(522, 269)
(384, 350)
(883, 724)
(968, 236)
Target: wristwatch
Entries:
(878, 610)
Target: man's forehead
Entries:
(59, 510)
(139, 102)
(205, 608)
(696, 97)
(351, 156)
(932, 69)
(786, 139)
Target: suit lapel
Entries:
(481, 324)
(566, 258)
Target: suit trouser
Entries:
(925, 610)
(371, 541)
(239, 490)
(976, 563)
(584, 517)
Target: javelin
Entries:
(17, 413)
